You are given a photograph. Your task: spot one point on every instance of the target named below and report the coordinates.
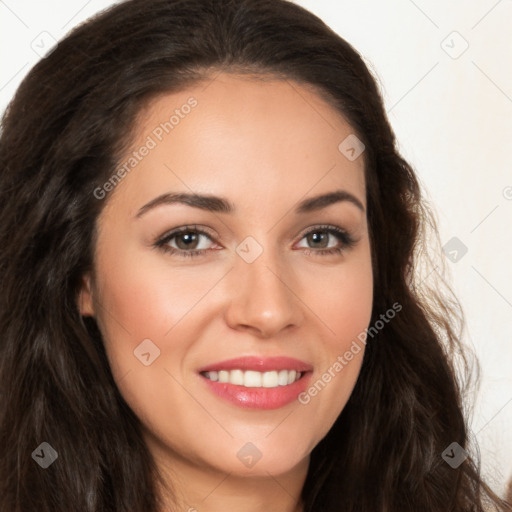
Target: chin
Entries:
(254, 460)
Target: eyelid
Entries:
(172, 233)
(345, 236)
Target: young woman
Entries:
(209, 244)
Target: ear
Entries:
(85, 297)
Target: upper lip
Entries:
(259, 364)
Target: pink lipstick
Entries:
(257, 382)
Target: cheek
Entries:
(344, 307)
(140, 302)
(343, 299)
(137, 302)
(146, 299)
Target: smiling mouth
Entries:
(254, 379)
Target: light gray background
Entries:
(445, 73)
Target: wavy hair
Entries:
(66, 130)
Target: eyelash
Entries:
(346, 241)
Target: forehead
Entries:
(264, 138)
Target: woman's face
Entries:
(251, 294)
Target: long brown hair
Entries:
(508, 496)
(64, 134)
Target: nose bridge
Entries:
(263, 296)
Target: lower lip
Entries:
(259, 398)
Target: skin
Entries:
(265, 145)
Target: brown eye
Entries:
(318, 239)
(184, 242)
(187, 240)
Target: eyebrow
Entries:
(221, 205)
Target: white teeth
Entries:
(282, 378)
(253, 379)
(236, 377)
(269, 380)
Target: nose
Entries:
(265, 297)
